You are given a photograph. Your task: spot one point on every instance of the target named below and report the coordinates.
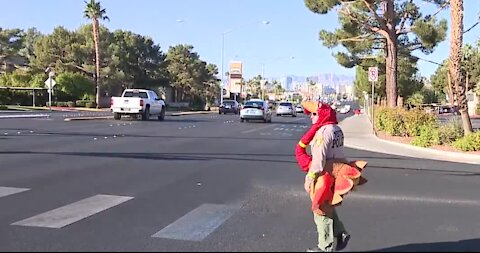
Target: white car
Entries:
(256, 109)
(345, 109)
(286, 108)
(299, 109)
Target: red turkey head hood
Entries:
(326, 115)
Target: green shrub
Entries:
(470, 142)
(380, 118)
(415, 119)
(429, 135)
(83, 103)
(451, 132)
(90, 104)
(390, 121)
(3, 107)
(71, 104)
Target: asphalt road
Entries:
(211, 183)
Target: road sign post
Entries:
(373, 77)
(49, 84)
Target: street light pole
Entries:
(265, 82)
(223, 53)
(222, 73)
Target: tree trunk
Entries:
(451, 93)
(455, 62)
(391, 73)
(96, 35)
(391, 54)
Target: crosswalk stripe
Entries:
(6, 191)
(199, 223)
(66, 215)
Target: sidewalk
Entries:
(359, 135)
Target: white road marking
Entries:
(257, 129)
(6, 191)
(66, 215)
(199, 223)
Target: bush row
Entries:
(470, 142)
(425, 129)
(400, 122)
(78, 103)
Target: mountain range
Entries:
(328, 79)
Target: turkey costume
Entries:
(338, 176)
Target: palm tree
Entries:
(94, 11)
(455, 62)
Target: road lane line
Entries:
(418, 200)
(257, 129)
(66, 215)
(399, 198)
(6, 191)
(199, 223)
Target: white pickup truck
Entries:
(138, 102)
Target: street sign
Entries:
(373, 74)
(50, 82)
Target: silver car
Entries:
(256, 109)
(286, 108)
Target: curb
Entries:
(447, 157)
(433, 151)
(423, 153)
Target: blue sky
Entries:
(292, 31)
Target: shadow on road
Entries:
(71, 134)
(471, 245)
(275, 158)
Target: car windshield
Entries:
(132, 94)
(253, 104)
(285, 104)
(229, 102)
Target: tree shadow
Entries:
(101, 135)
(471, 245)
(272, 158)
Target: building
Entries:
(11, 63)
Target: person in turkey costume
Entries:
(329, 174)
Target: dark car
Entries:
(229, 106)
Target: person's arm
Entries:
(319, 147)
(319, 154)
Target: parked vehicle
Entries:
(138, 102)
(229, 106)
(286, 108)
(256, 109)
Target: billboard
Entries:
(236, 70)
